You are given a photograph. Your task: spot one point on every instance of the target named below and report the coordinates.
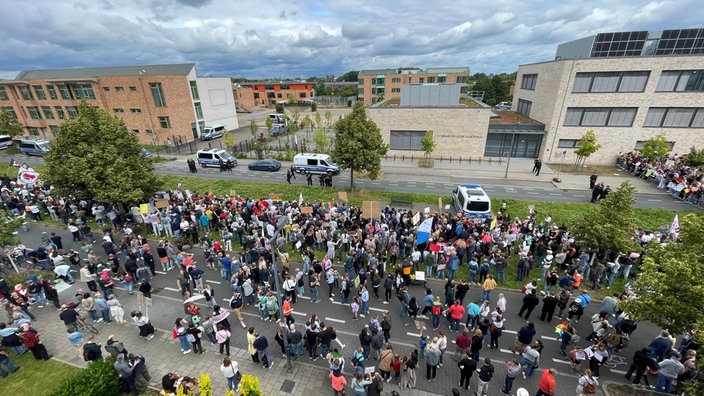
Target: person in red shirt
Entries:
(456, 314)
(288, 311)
(463, 342)
(546, 386)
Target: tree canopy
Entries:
(427, 143)
(358, 144)
(608, 225)
(94, 156)
(586, 146)
(9, 124)
(655, 147)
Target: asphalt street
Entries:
(167, 306)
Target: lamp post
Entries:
(510, 151)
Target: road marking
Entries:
(213, 282)
(160, 272)
(506, 351)
(413, 334)
(655, 200)
(300, 313)
(618, 371)
(304, 297)
(171, 289)
(511, 331)
(556, 360)
(532, 193)
(556, 194)
(370, 308)
(334, 320)
(579, 196)
(356, 335)
(549, 338)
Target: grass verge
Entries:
(35, 377)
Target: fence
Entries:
(450, 159)
(181, 147)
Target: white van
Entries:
(278, 119)
(211, 132)
(471, 200)
(212, 157)
(5, 141)
(35, 146)
(315, 163)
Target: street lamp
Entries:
(508, 161)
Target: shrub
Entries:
(249, 386)
(313, 107)
(99, 378)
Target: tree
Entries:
(655, 147)
(350, 76)
(228, 140)
(695, 157)
(9, 124)
(317, 119)
(269, 123)
(358, 144)
(279, 108)
(291, 99)
(608, 225)
(427, 143)
(256, 142)
(328, 117)
(586, 146)
(320, 138)
(95, 156)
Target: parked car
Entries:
(503, 106)
(145, 153)
(266, 164)
(277, 129)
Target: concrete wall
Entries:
(217, 101)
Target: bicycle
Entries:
(83, 324)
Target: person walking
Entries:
(338, 382)
(529, 359)
(467, 366)
(432, 359)
(530, 301)
(641, 362)
(229, 370)
(180, 333)
(486, 372)
(126, 372)
(512, 370)
(547, 384)
(587, 383)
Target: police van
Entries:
(34, 146)
(471, 200)
(212, 157)
(211, 132)
(315, 163)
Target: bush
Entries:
(99, 378)
(279, 108)
(249, 386)
(313, 107)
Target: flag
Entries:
(424, 230)
(675, 227)
(300, 199)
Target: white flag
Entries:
(300, 199)
(675, 227)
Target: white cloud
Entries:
(281, 38)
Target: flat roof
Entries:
(93, 72)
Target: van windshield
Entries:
(477, 206)
(44, 146)
(324, 163)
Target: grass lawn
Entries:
(35, 377)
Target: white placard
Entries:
(426, 210)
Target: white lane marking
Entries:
(506, 351)
(334, 320)
(213, 282)
(532, 193)
(555, 194)
(655, 200)
(549, 338)
(160, 272)
(171, 289)
(300, 313)
(304, 297)
(563, 361)
(618, 371)
(393, 342)
(579, 196)
(511, 331)
(370, 308)
(413, 334)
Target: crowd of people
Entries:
(241, 237)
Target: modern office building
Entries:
(158, 103)
(252, 95)
(377, 85)
(627, 87)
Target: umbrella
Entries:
(193, 298)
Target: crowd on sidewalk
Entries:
(240, 238)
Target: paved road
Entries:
(168, 306)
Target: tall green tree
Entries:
(586, 146)
(427, 143)
(694, 157)
(655, 147)
(95, 156)
(608, 225)
(358, 143)
(321, 140)
(350, 76)
(9, 124)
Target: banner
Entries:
(424, 230)
(300, 199)
(675, 226)
(28, 176)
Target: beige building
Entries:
(627, 87)
(387, 83)
(253, 95)
(158, 103)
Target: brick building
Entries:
(626, 86)
(387, 83)
(251, 95)
(156, 102)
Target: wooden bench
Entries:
(401, 201)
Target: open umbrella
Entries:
(193, 298)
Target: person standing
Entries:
(30, 340)
(91, 350)
(512, 370)
(488, 285)
(529, 359)
(229, 370)
(538, 165)
(547, 384)
(223, 338)
(115, 347)
(126, 372)
(535, 165)
(432, 359)
(486, 372)
(592, 181)
(669, 370)
(548, 309)
(463, 341)
(262, 346)
(338, 382)
(467, 366)
(586, 383)
(530, 301)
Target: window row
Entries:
(610, 82)
(45, 112)
(600, 116)
(675, 117)
(574, 143)
(406, 140)
(681, 81)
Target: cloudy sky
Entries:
(302, 38)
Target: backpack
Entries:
(88, 354)
(385, 325)
(355, 361)
(436, 309)
(270, 304)
(380, 385)
(300, 282)
(485, 373)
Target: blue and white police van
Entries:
(212, 157)
(315, 163)
(471, 200)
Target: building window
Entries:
(26, 93)
(600, 116)
(256, 95)
(118, 110)
(442, 79)
(395, 90)
(164, 123)
(84, 91)
(54, 129)
(148, 131)
(199, 110)
(675, 117)
(34, 112)
(360, 91)
(158, 94)
(136, 111)
(462, 79)
(119, 89)
(135, 131)
(106, 89)
(378, 81)
(39, 90)
(11, 112)
(302, 94)
(406, 140)
(133, 89)
(524, 107)
(279, 95)
(610, 82)
(396, 80)
(60, 112)
(72, 111)
(568, 143)
(48, 114)
(431, 80)
(52, 92)
(3, 94)
(33, 131)
(681, 81)
(641, 143)
(194, 90)
(360, 81)
(421, 80)
(529, 81)
(65, 92)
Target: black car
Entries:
(266, 164)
